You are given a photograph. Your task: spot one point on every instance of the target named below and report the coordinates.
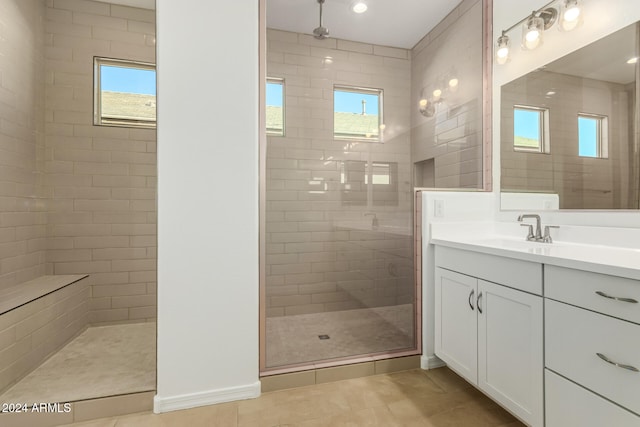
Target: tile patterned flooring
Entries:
(436, 398)
(101, 361)
(294, 339)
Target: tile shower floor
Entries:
(295, 339)
(102, 361)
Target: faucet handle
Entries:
(530, 235)
(547, 234)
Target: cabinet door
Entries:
(510, 352)
(456, 329)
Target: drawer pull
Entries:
(471, 298)
(631, 300)
(619, 365)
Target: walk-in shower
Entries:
(346, 144)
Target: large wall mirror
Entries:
(570, 128)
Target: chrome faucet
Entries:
(532, 237)
(374, 220)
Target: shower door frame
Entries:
(487, 88)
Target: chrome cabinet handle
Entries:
(478, 303)
(631, 300)
(471, 298)
(619, 365)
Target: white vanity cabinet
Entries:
(489, 326)
(592, 349)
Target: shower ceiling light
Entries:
(359, 6)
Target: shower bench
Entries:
(36, 319)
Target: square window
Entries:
(357, 113)
(592, 136)
(124, 93)
(530, 129)
(275, 106)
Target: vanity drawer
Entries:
(574, 336)
(581, 288)
(514, 273)
(568, 405)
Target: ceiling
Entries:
(397, 23)
(604, 59)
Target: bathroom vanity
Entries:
(549, 331)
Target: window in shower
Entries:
(357, 113)
(275, 106)
(530, 129)
(124, 93)
(592, 136)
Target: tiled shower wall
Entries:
(447, 147)
(580, 182)
(101, 181)
(23, 214)
(323, 253)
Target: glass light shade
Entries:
(502, 49)
(437, 94)
(532, 32)
(423, 103)
(570, 15)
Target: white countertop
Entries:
(497, 239)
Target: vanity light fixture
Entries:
(359, 6)
(532, 32)
(570, 15)
(567, 12)
(502, 49)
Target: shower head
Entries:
(321, 32)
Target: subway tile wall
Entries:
(23, 215)
(580, 182)
(447, 147)
(100, 181)
(323, 253)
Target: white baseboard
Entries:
(431, 362)
(204, 398)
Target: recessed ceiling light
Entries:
(632, 60)
(359, 6)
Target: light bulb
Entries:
(532, 31)
(532, 35)
(423, 103)
(572, 13)
(436, 94)
(453, 83)
(502, 49)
